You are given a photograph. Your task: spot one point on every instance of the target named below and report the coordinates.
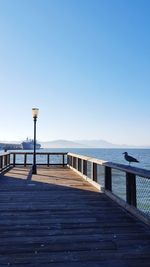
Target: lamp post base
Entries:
(34, 170)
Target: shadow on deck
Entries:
(58, 219)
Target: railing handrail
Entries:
(4, 153)
(39, 153)
(121, 167)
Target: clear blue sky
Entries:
(84, 63)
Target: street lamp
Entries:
(35, 112)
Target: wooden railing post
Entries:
(63, 159)
(1, 162)
(48, 157)
(14, 160)
(94, 172)
(25, 159)
(108, 178)
(5, 161)
(131, 189)
(79, 165)
(8, 159)
(85, 167)
(74, 162)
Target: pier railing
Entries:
(127, 185)
(42, 158)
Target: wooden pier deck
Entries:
(57, 219)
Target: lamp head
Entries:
(35, 112)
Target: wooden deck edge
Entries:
(134, 211)
(98, 186)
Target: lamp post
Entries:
(34, 115)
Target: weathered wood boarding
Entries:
(58, 219)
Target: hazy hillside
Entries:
(81, 144)
(61, 144)
(97, 143)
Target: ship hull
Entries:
(30, 146)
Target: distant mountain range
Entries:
(61, 144)
(84, 144)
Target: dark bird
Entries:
(129, 158)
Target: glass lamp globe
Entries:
(35, 112)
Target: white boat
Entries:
(28, 144)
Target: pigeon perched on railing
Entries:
(129, 158)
